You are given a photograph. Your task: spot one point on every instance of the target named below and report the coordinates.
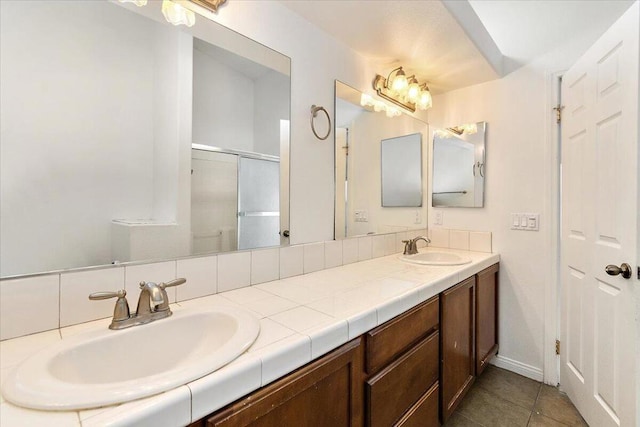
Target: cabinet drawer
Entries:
(388, 341)
(400, 385)
(424, 413)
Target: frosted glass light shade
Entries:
(399, 83)
(177, 14)
(425, 101)
(138, 3)
(413, 93)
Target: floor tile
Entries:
(459, 420)
(509, 386)
(554, 404)
(487, 409)
(539, 420)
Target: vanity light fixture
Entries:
(378, 106)
(403, 91)
(138, 3)
(210, 5)
(177, 14)
(466, 129)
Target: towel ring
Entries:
(314, 113)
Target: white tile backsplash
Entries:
(365, 248)
(265, 265)
(378, 246)
(459, 239)
(291, 261)
(156, 272)
(390, 244)
(313, 257)
(333, 253)
(45, 302)
(29, 305)
(480, 241)
(350, 250)
(439, 237)
(234, 271)
(201, 274)
(75, 287)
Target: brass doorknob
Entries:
(614, 270)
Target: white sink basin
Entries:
(107, 367)
(436, 258)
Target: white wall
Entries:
(519, 176)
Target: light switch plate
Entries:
(525, 221)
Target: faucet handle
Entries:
(121, 311)
(172, 283)
(106, 295)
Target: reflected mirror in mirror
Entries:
(102, 103)
(459, 166)
(359, 132)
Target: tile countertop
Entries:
(301, 318)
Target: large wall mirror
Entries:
(369, 143)
(125, 138)
(459, 166)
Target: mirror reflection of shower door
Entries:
(214, 201)
(258, 203)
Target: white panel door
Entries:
(600, 227)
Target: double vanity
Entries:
(387, 341)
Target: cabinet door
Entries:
(486, 316)
(327, 392)
(457, 307)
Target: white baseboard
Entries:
(518, 367)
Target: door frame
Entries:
(551, 361)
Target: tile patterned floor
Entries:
(502, 398)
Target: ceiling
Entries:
(457, 43)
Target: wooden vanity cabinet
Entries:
(403, 367)
(411, 371)
(326, 392)
(486, 316)
(457, 332)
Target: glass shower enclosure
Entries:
(235, 200)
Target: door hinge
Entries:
(558, 347)
(558, 109)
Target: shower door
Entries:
(258, 203)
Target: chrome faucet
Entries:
(151, 297)
(153, 304)
(411, 247)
